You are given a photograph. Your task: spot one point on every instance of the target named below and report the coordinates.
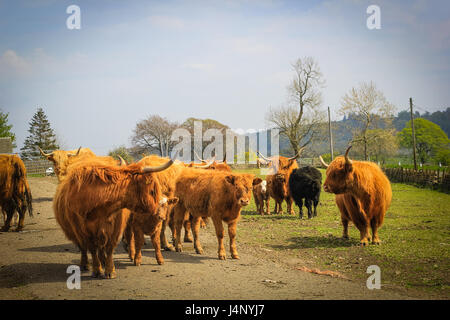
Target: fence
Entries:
(37, 166)
(435, 179)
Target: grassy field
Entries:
(414, 254)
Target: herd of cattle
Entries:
(100, 200)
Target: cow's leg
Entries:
(195, 230)
(9, 215)
(364, 234)
(232, 234)
(257, 204)
(110, 269)
(344, 221)
(203, 223)
(316, 202)
(128, 239)
(300, 206)
(290, 207)
(179, 216)
(21, 213)
(220, 234)
(16, 217)
(139, 243)
(163, 240)
(267, 206)
(345, 217)
(374, 225)
(361, 222)
(187, 230)
(157, 244)
(97, 269)
(308, 205)
(84, 262)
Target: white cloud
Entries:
(11, 64)
(167, 22)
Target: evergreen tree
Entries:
(5, 128)
(41, 135)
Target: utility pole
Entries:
(413, 133)
(331, 135)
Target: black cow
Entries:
(305, 183)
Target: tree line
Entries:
(369, 124)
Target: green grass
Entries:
(415, 249)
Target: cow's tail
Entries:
(20, 177)
(28, 199)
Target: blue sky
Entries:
(226, 60)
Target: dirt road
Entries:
(33, 265)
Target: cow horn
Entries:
(260, 154)
(157, 168)
(206, 166)
(122, 161)
(195, 153)
(298, 154)
(43, 153)
(347, 160)
(323, 162)
(74, 155)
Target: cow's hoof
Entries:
(179, 249)
(160, 262)
(169, 248)
(137, 263)
(96, 274)
(235, 256)
(84, 267)
(188, 239)
(345, 237)
(377, 242)
(364, 243)
(222, 257)
(18, 229)
(111, 275)
(199, 251)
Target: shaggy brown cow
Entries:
(89, 205)
(363, 194)
(15, 194)
(149, 224)
(214, 165)
(261, 196)
(218, 195)
(278, 179)
(61, 159)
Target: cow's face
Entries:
(339, 176)
(242, 186)
(164, 206)
(283, 165)
(60, 160)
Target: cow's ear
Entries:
(230, 179)
(173, 200)
(257, 181)
(348, 167)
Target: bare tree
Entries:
(300, 120)
(153, 135)
(370, 108)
